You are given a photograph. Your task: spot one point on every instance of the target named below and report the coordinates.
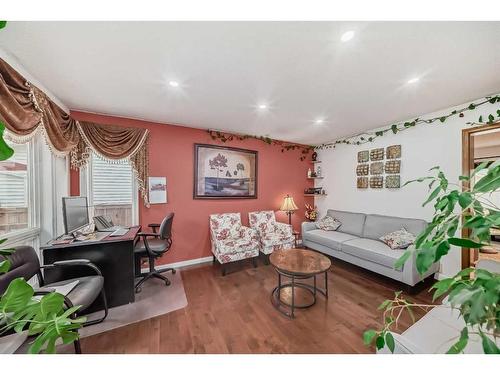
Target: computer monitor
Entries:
(75, 213)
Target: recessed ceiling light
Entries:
(173, 83)
(348, 35)
(413, 80)
(319, 121)
(262, 106)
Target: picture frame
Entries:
(224, 172)
(157, 190)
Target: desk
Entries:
(113, 255)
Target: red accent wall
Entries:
(171, 154)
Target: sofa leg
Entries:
(214, 260)
(254, 262)
(224, 269)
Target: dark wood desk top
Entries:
(129, 236)
(299, 262)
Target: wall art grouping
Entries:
(372, 170)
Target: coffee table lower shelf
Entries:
(284, 299)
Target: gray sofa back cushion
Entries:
(352, 222)
(377, 226)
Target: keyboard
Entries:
(119, 232)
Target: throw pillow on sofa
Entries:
(399, 239)
(328, 223)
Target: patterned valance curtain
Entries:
(26, 110)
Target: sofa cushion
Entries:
(377, 226)
(332, 239)
(399, 239)
(328, 223)
(352, 222)
(373, 251)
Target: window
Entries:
(112, 191)
(14, 190)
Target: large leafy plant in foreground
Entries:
(20, 309)
(474, 292)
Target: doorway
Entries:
(481, 144)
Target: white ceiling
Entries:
(225, 69)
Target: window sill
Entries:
(20, 236)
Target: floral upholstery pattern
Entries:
(272, 234)
(232, 241)
(399, 239)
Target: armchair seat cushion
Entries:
(271, 239)
(85, 292)
(236, 245)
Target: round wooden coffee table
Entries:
(298, 264)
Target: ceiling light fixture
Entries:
(413, 80)
(348, 35)
(319, 121)
(262, 106)
(174, 83)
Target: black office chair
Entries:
(152, 246)
(24, 263)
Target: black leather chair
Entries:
(24, 263)
(152, 246)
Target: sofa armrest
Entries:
(402, 346)
(410, 273)
(307, 226)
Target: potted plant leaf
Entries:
(23, 313)
(475, 293)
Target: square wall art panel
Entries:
(394, 152)
(362, 183)
(392, 166)
(377, 182)
(392, 182)
(363, 156)
(377, 154)
(362, 170)
(377, 167)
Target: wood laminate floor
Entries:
(233, 314)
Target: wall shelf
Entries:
(315, 195)
(314, 178)
(314, 161)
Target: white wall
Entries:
(423, 147)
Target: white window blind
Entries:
(111, 183)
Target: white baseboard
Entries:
(441, 276)
(184, 263)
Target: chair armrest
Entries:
(73, 262)
(154, 226)
(145, 234)
(248, 233)
(285, 229)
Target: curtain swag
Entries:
(26, 111)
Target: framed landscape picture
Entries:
(224, 172)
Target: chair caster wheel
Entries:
(174, 271)
(138, 290)
(167, 283)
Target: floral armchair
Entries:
(272, 234)
(232, 241)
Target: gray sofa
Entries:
(357, 242)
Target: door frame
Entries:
(467, 163)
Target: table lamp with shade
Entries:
(289, 207)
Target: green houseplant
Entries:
(21, 309)
(473, 292)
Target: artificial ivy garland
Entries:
(285, 146)
(366, 137)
